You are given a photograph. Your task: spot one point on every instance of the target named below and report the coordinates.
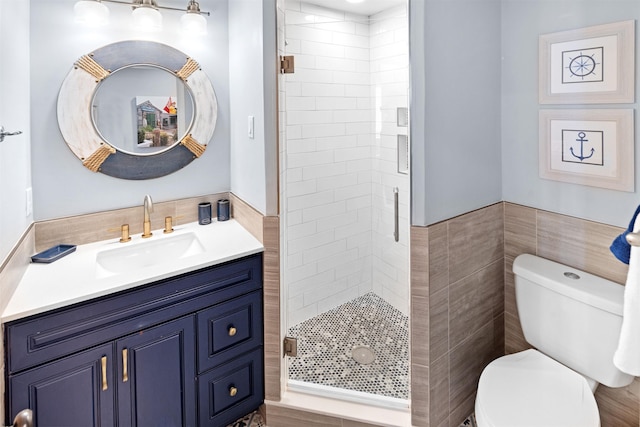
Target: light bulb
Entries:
(91, 12)
(193, 24)
(147, 18)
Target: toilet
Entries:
(573, 321)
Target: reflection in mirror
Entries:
(142, 109)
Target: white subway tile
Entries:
(335, 64)
(336, 103)
(320, 11)
(359, 165)
(351, 78)
(356, 53)
(358, 153)
(351, 40)
(325, 49)
(333, 142)
(309, 117)
(293, 218)
(338, 181)
(298, 232)
(312, 214)
(301, 245)
(324, 130)
(324, 291)
(294, 175)
(331, 222)
(324, 251)
(306, 75)
(297, 103)
(353, 116)
(293, 46)
(308, 33)
(301, 145)
(301, 188)
(338, 298)
(359, 91)
(300, 273)
(322, 171)
(322, 89)
(339, 27)
(309, 200)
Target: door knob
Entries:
(3, 133)
(23, 419)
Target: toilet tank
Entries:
(572, 316)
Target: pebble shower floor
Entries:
(325, 345)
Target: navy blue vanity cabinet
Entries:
(157, 376)
(184, 351)
(230, 363)
(75, 391)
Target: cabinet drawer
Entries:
(229, 329)
(41, 338)
(231, 390)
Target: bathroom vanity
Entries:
(180, 350)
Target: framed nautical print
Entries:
(588, 65)
(588, 147)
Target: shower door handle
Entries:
(396, 227)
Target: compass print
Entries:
(582, 66)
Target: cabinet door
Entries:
(156, 369)
(77, 391)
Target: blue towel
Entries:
(620, 247)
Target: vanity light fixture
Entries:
(91, 12)
(146, 14)
(193, 22)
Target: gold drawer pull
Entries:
(105, 386)
(125, 373)
(233, 391)
(232, 331)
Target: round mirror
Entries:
(142, 109)
(136, 110)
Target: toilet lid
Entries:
(531, 389)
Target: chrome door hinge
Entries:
(287, 64)
(290, 347)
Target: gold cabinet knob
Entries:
(233, 391)
(232, 331)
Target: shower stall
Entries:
(344, 195)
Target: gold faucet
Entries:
(148, 208)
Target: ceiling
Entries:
(367, 7)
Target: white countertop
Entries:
(76, 277)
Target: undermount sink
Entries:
(146, 254)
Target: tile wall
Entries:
(580, 244)
(457, 312)
(389, 53)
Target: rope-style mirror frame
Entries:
(97, 154)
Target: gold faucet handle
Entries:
(125, 233)
(168, 226)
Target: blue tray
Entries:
(53, 254)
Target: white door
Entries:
(15, 169)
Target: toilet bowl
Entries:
(531, 389)
(573, 321)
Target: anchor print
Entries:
(581, 139)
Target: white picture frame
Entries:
(588, 65)
(588, 147)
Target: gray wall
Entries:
(15, 165)
(455, 55)
(61, 185)
(522, 22)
